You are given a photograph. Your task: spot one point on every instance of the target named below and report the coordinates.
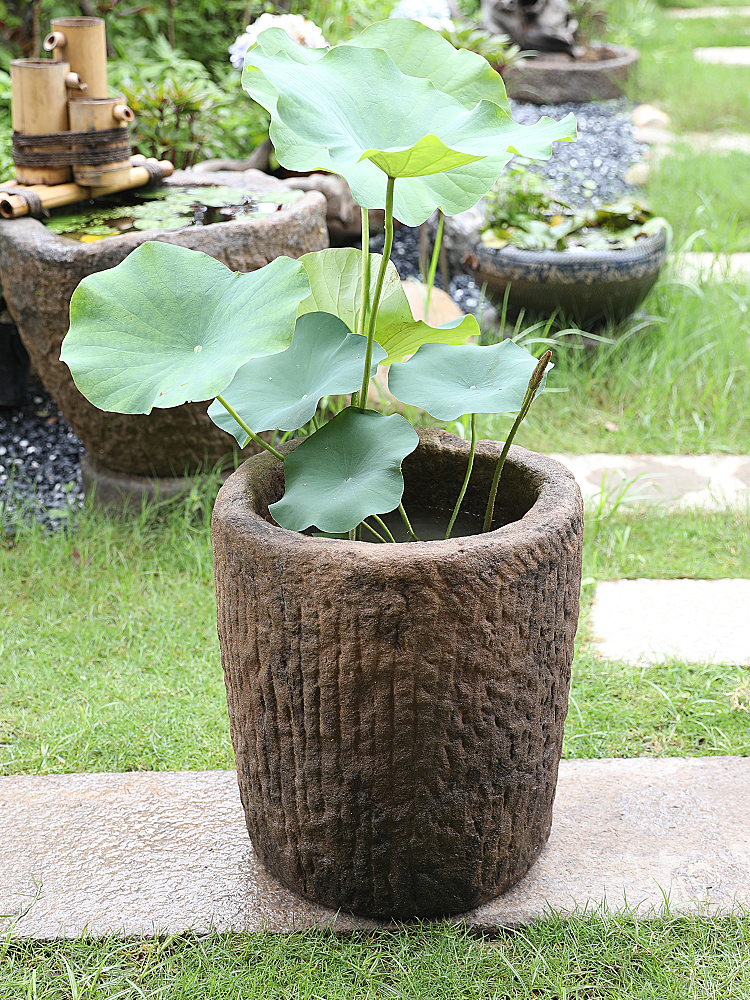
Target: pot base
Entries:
(119, 493)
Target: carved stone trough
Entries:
(39, 272)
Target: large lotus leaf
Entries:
(169, 325)
(283, 391)
(347, 470)
(336, 287)
(449, 382)
(419, 51)
(353, 106)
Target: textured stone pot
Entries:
(39, 272)
(397, 710)
(556, 78)
(587, 286)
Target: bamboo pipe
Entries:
(39, 104)
(87, 114)
(82, 42)
(53, 196)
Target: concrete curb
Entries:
(145, 853)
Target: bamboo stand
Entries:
(53, 196)
(97, 141)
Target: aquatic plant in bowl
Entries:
(588, 265)
(358, 674)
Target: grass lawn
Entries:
(672, 380)
(597, 957)
(697, 96)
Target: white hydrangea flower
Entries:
(298, 28)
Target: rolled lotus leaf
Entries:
(336, 286)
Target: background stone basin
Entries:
(39, 272)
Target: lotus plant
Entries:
(413, 125)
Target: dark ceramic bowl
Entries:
(555, 78)
(587, 287)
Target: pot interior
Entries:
(433, 476)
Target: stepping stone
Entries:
(729, 267)
(651, 621)
(147, 853)
(697, 13)
(727, 55)
(677, 481)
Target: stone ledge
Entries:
(677, 482)
(167, 852)
(653, 621)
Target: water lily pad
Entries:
(336, 286)
(411, 129)
(347, 470)
(449, 382)
(283, 391)
(170, 325)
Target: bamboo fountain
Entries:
(70, 139)
(70, 145)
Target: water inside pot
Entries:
(164, 208)
(429, 524)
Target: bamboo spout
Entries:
(123, 113)
(53, 196)
(54, 40)
(74, 82)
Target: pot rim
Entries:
(35, 229)
(649, 246)
(558, 502)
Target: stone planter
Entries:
(39, 272)
(556, 78)
(587, 286)
(397, 710)
(14, 363)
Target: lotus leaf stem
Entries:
(381, 523)
(467, 477)
(433, 265)
(373, 531)
(378, 289)
(405, 519)
(251, 434)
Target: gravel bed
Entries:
(40, 455)
(40, 462)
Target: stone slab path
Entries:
(702, 267)
(698, 13)
(650, 621)
(725, 55)
(677, 481)
(149, 852)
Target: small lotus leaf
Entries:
(170, 325)
(353, 111)
(283, 391)
(347, 470)
(449, 382)
(336, 285)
